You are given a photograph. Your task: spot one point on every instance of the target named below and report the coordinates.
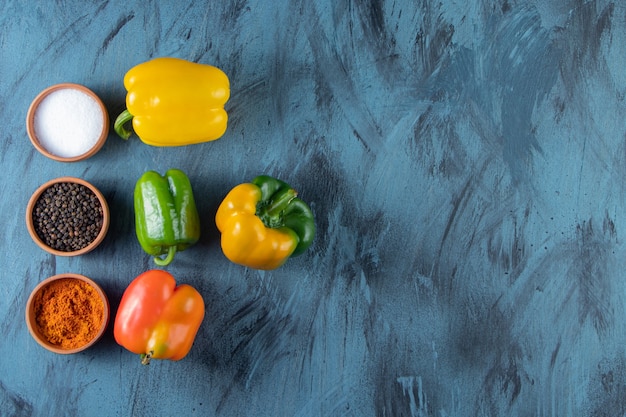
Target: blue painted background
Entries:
(465, 162)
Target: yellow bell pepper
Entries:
(263, 223)
(173, 102)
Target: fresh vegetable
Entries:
(157, 319)
(263, 223)
(166, 218)
(173, 102)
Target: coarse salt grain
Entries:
(68, 122)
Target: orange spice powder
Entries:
(68, 312)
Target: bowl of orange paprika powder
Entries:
(67, 313)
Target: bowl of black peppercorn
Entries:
(67, 216)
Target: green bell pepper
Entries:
(166, 218)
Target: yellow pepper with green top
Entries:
(263, 223)
(174, 102)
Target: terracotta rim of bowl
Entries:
(106, 217)
(30, 122)
(31, 319)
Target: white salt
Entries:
(68, 122)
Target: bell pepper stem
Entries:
(120, 122)
(171, 251)
(281, 202)
(145, 357)
(271, 214)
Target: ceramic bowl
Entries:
(31, 314)
(67, 118)
(40, 241)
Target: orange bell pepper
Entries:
(156, 319)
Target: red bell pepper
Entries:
(156, 319)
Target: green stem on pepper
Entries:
(171, 251)
(271, 214)
(121, 120)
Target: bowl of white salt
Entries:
(67, 122)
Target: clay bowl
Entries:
(99, 321)
(62, 127)
(43, 238)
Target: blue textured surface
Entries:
(465, 162)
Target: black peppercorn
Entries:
(67, 216)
